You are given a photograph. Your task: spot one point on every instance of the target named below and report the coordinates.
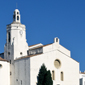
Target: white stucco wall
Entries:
(22, 72)
(69, 66)
(17, 42)
(5, 73)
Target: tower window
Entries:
(9, 36)
(62, 76)
(53, 75)
(20, 53)
(17, 17)
(8, 53)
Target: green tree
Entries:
(44, 76)
(48, 78)
(41, 75)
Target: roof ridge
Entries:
(1, 59)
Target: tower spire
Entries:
(16, 5)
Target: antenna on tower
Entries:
(16, 5)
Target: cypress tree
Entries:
(48, 78)
(41, 75)
(44, 76)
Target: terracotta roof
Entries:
(82, 73)
(36, 47)
(1, 59)
(33, 45)
(33, 55)
(39, 46)
(28, 56)
(47, 44)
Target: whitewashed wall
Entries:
(20, 44)
(26, 70)
(22, 72)
(69, 66)
(5, 73)
(17, 42)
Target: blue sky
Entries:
(47, 19)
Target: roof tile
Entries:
(1, 59)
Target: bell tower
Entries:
(16, 16)
(16, 45)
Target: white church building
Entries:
(21, 62)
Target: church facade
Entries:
(21, 62)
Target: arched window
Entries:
(17, 17)
(17, 12)
(0, 65)
(62, 76)
(53, 75)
